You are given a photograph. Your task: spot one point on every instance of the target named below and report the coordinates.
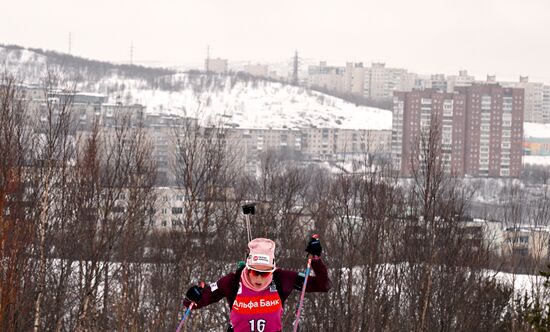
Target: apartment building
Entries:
(248, 145)
(381, 81)
(537, 99)
(527, 241)
(326, 77)
(257, 70)
(354, 78)
(218, 66)
(546, 104)
(83, 108)
(112, 114)
(481, 129)
(342, 144)
(169, 208)
(533, 99)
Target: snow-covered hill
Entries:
(246, 103)
(235, 101)
(23, 63)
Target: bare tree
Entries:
(16, 231)
(53, 152)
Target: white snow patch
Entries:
(537, 160)
(537, 130)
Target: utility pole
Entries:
(70, 41)
(207, 58)
(295, 67)
(131, 52)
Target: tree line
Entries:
(78, 250)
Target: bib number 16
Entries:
(257, 325)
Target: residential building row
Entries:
(220, 66)
(304, 144)
(308, 144)
(379, 82)
(376, 82)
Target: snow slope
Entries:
(249, 104)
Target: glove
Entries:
(299, 282)
(194, 294)
(314, 246)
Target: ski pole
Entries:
(297, 321)
(180, 325)
(187, 312)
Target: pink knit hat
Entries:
(262, 253)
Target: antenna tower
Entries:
(295, 67)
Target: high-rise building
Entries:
(533, 100)
(480, 129)
(354, 78)
(381, 81)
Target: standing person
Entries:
(257, 292)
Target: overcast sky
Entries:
(503, 37)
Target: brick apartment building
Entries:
(481, 128)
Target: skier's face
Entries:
(258, 277)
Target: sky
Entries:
(506, 38)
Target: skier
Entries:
(257, 292)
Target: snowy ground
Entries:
(537, 130)
(537, 160)
(522, 283)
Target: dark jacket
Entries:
(225, 287)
